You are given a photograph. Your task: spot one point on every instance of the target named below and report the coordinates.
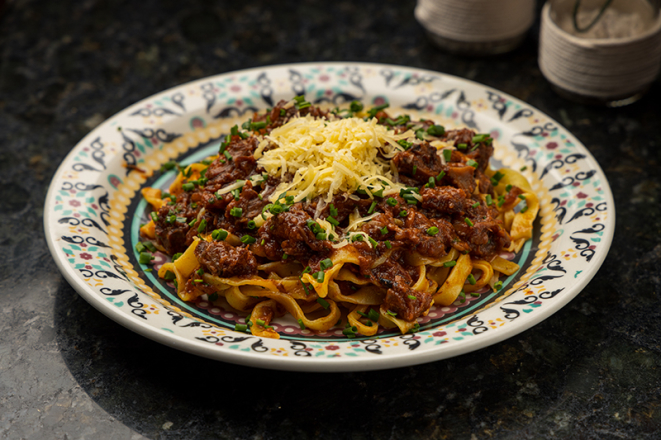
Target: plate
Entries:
(94, 208)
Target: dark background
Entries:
(591, 371)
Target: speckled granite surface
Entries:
(592, 371)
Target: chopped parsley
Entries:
(202, 227)
(374, 110)
(247, 239)
(332, 220)
(356, 106)
(436, 130)
(497, 178)
(219, 235)
(145, 258)
(326, 264)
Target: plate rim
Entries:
(341, 364)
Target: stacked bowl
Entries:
(614, 63)
(476, 27)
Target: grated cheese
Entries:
(327, 227)
(262, 144)
(356, 220)
(231, 187)
(416, 196)
(345, 241)
(318, 157)
(441, 145)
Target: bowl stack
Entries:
(611, 71)
(476, 27)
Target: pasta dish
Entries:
(347, 217)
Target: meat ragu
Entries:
(255, 224)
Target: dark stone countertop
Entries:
(591, 371)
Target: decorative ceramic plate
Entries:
(94, 209)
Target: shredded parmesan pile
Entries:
(330, 157)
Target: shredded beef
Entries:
(511, 197)
(419, 163)
(375, 227)
(481, 155)
(417, 228)
(413, 233)
(242, 147)
(223, 171)
(398, 300)
(279, 118)
(250, 205)
(480, 152)
(460, 176)
(224, 260)
(366, 257)
(210, 201)
(217, 207)
(288, 233)
(484, 183)
(192, 287)
(172, 237)
(460, 136)
(385, 205)
(486, 237)
(345, 206)
(172, 224)
(393, 276)
(391, 272)
(445, 200)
